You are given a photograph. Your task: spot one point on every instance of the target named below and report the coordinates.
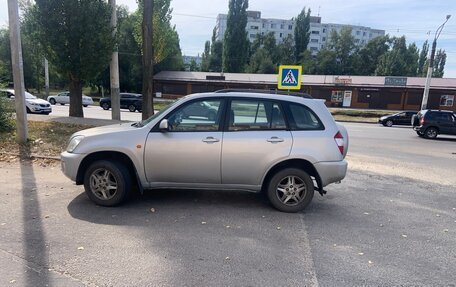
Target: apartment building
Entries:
(319, 32)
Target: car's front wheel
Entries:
(431, 133)
(389, 123)
(107, 183)
(290, 190)
(105, 106)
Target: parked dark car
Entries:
(130, 101)
(402, 118)
(430, 123)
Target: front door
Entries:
(255, 138)
(189, 152)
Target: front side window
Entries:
(255, 115)
(302, 118)
(196, 116)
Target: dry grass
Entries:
(46, 139)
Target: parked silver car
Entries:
(286, 146)
(64, 98)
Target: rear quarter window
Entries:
(303, 118)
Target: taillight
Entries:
(422, 121)
(339, 139)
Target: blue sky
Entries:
(417, 19)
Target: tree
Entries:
(205, 58)
(439, 64)
(400, 60)
(369, 55)
(236, 44)
(215, 61)
(307, 62)
(344, 47)
(77, 38)
(261, 63)
(6, 75)
(302, 32)
(422, 59)
(286, 51)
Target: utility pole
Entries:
(114, 68)
(431, 65)
(18, 71)
(46, 77)
(148, 58)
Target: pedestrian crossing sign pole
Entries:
(290, 77)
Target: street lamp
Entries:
(431, 65)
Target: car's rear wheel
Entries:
(85, 106)
(52, 101)
(107, 183)
(389, 123)
(105, 106)
(290, 190)
(431, 133)
(132, 108)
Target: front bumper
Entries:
(70, 163)
(331, 171)
(38, 109)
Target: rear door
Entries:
(255, 137)
(444, 122)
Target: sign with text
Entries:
(396, 81)
(290, 78)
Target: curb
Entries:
(32, 156)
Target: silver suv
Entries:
(286, 146)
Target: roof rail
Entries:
(271, 92)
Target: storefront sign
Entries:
(396, 81)
(341, 81)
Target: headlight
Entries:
(74, 142)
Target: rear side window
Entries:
(255, 115)
(302, 118)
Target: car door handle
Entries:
(275, 140)
(210, 140)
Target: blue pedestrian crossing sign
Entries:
(290, 77)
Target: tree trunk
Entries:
(148, 52)
(76, 98)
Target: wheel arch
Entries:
(294, 163)
(113, 156)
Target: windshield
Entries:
(156, 115)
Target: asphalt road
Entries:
(391, 222)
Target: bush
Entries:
(6, 115)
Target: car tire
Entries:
(52, 101)
(132, 108)
(62, 104)
(389, 123)
(431, 133)
(102, 174)
(105, 106)
(28, 110)
(46, 113)
(85, 106)
(290, 190)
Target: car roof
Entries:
(243, 94)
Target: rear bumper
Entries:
(420, 129)
(331, 171)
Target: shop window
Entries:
(447, 100)
(337, 96)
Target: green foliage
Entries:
(261, 62)
(369, 55)
(215, 62)
(422, 60)
(6, 115)
(344, 47)
(167, 52)
(206, 57)
(236, 44)
(302, 32)
(439, 64)
(6, 75)
(400, 60)
(286, 51)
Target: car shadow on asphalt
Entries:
(35, 251)
(170, 202)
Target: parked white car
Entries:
(64, 98)
(286, 146)
(32, 103)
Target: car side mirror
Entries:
(163, 125)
